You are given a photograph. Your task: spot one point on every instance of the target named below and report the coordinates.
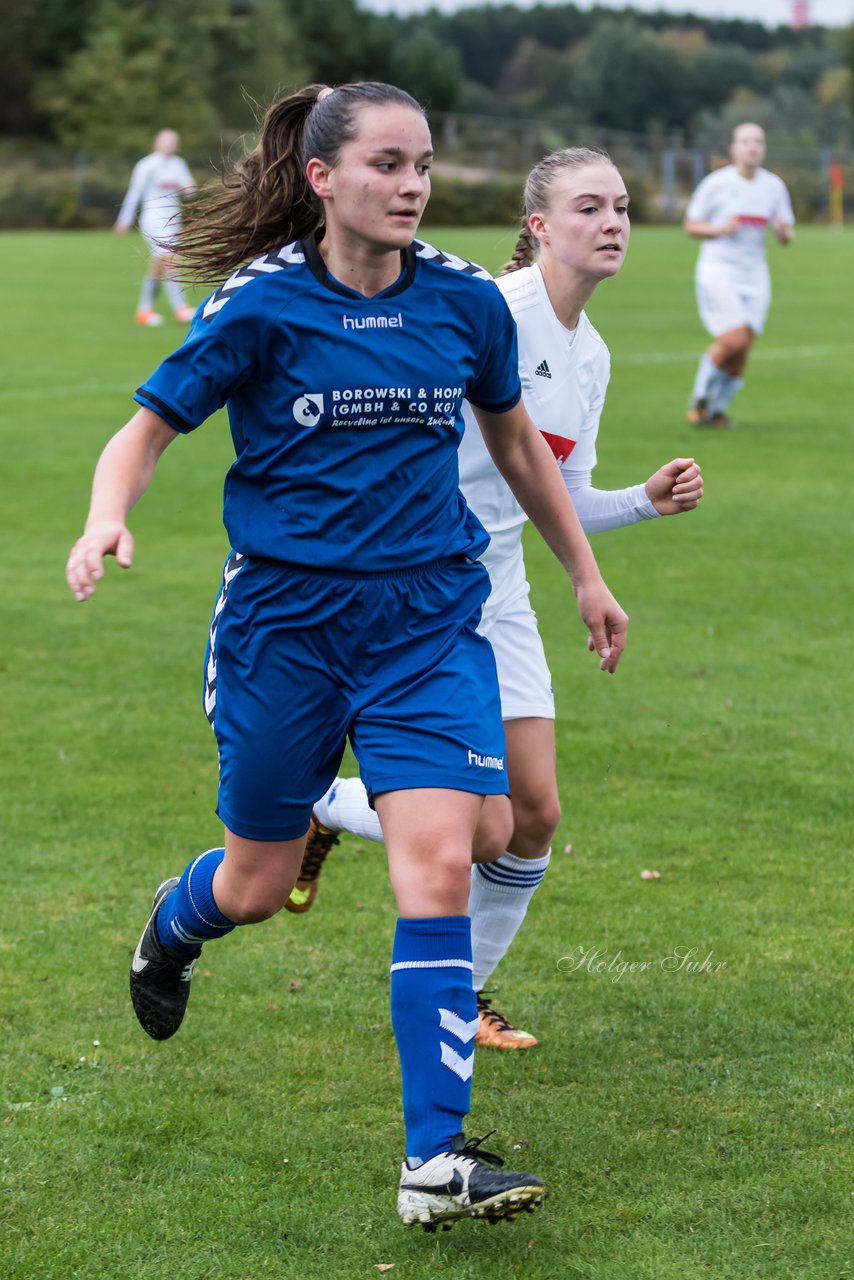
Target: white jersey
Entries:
(757, 202)
(156, 186)
(564, 379)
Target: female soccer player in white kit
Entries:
(574, 234)
(158, 183)
(731, 211)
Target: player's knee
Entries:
(450, 871)
(252, 903)
(494, 830)
(733, 346)
(535, 826)
(536, 814)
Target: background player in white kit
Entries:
(574, 235)
(731, 212)
(158, 183)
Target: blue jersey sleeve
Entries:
(217, 356)
(495, 385)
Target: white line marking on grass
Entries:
(757, 353)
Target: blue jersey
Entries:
(345, 411)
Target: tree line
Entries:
(98, 76)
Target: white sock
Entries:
(707, 373)
(175, 294)
(146, 294)
(500, 893)
(345, 807)
(724, 391)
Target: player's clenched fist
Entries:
(675, 487)
(86, 561)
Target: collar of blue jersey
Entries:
(317, 267)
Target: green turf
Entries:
(692, 1123)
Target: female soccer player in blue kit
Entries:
(344, 352)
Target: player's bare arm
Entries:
(122, 476)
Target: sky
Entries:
(837, 13)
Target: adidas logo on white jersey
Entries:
(543, 370)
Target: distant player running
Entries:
(731, 211)
(574, 235)
(157, 186)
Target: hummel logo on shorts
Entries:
(543, 370)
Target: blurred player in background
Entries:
(574, 235)
(731, 211)
(344, 350)
(157, 186)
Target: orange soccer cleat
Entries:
(150, 318)
(318, 843)
(495, 1032)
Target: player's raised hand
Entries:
(86, 562)
(675, 487)
(606, 622)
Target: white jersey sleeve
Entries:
(784, 211)
(135, 192)
(186, 179)
(600, 509)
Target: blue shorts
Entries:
(299, 661)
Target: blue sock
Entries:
(189, 916)
(434, 1016)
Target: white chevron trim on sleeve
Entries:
(464, 1031)
(462, 1067)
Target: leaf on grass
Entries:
(384, 1266)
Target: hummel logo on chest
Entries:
(543, 370)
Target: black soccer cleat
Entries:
(460, 1184)
(159, 977)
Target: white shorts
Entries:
(510, 625)
(157, 230)
(726, 304)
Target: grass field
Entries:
(692, 1115)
